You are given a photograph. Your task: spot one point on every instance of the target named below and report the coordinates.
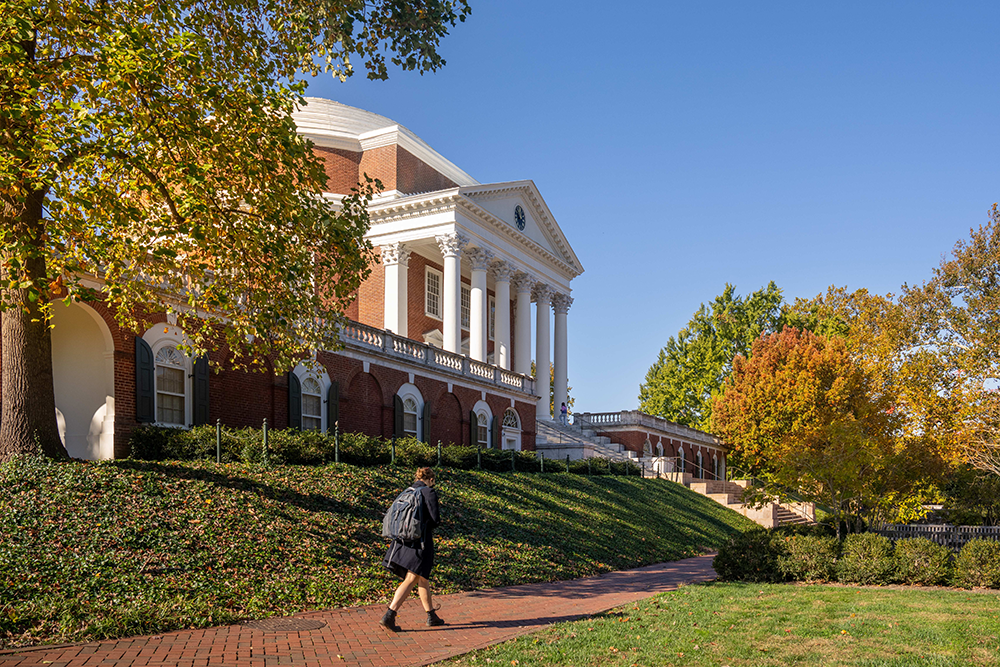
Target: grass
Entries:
(94, 550)
(754, 625)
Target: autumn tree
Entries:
(803, 414)
(955, 319)
(694, 364)
(148, 158)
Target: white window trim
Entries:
(164, 335)
(409, 390)
(483, 408)
(465, 315)
(440, 276)
(491, 317)
(310, 368)
(510, 432)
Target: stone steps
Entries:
(730, 494)
(556, 441)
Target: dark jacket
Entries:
(417, 556)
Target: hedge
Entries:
(292, 446)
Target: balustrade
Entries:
(355, 334)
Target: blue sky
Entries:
(681, 146)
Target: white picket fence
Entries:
(953, 537)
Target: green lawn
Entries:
(97, 550)
(753, 625)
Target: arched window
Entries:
(410, 416)
(699, 468)
(683, 465)
(312, 405)
(510, 419)
(715, 466)
(647, 447)
(659, 449)
(171, 386)
(483, 429)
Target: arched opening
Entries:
(413, 409)
(363, 407)
(447, 419)
(484, 416)
(83, 376)
(511, 429)
(699, 468)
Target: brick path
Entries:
(351, 636)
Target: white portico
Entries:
(492, 271)
(462, 261)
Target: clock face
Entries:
(519, 218)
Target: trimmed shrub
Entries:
(751, 556)
(978, 564)
(922, 561)
(866, 558)
(809, 557)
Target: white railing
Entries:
(357, 335)
(636, 418)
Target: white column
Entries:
(522, 334)
(396, 259)
(480, 259)
(542, 301)
(451, 248)
(502, 272)
(561, 304)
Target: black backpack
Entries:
(405, 519)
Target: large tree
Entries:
(801, 412)
(955, 324)
(694, 364)
(148, 158)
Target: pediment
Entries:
(501, 200)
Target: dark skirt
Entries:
(416, 557)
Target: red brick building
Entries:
(441, 339)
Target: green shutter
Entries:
(294, 402)
(332, 406)
(427, 422)
(201, 405)
(473, 430)
(397, 416)
(145, 388)
(495, 434)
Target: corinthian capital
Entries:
(451, 244)
(479, 258)
(522, 282)
(561, 303)
(542, 294)
(395, 253)
(502, 271)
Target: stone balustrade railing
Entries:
(625, 418)
(361, 336)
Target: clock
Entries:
(519, 218)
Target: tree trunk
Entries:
(28, 413)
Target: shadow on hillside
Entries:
(312, 502)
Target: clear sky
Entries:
(684, 145)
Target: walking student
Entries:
(413, 561)
(562, 415)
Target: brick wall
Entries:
(371, 296)
(341, 168)
(413, 175)
(634, 439)
(380, 163)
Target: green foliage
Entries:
(755, 556)
(810, 557)
(768, 625)
(922, 561)
(292, 446)
(152, 144)
(978, 564)
(972, 497)
(93, 550)
(866, 558)
(693, 366)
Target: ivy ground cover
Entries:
(771, 625)
(92, 550)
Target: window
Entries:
(484, 430)
(171, 381)
(715, 467)
(683, 460)
(410, 417)
(312, 405)
(699, 470)
(493, 318)
(510, 419)
(466, 306)
(432, 289)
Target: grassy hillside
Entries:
(96, 550)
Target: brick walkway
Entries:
(352, 637)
